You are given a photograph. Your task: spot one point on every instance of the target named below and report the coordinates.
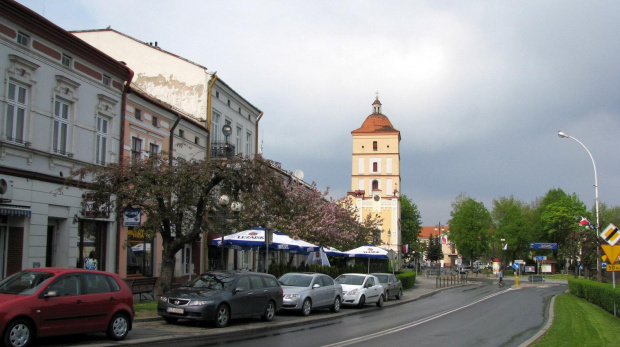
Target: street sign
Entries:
(541, 257)
(612, 253)
(613, 267)
(520, 261)
(515, 266)
(543, 245)
(611, 234)
(603, 266)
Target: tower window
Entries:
(375, 185)
(374, 167)
(374, 145)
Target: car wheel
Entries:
(171, 320)
(306, 307)
(222, 316)
(119, 327)
(399, 295)
(270, 311)
(336, 306)
(18, 334)
(380, 301)
(362, 302)
(387, 296)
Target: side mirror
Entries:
(316, 285)
(238, 289)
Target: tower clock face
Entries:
(377, 197)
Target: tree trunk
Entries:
(167, 272)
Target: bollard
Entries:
(517, 281)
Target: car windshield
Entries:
(25, 282)
(295, 280)
(215, 281)
(348, 279)
(382, 278)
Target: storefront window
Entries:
(139, 253)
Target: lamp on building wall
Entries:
(227, 130)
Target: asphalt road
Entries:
(474, 315)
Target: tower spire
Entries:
(376, 106)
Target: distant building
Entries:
(450, 253)
(61, 108)
(375, 175)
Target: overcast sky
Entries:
(478, 89)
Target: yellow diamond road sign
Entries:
(611, 234)
(612, 252)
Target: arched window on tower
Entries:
(374, 167)
(375, 185)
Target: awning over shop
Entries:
(15, 210)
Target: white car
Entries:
(361, 289)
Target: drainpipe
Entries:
(256, 140)
(120, 161)
(171, 142)
(209, 111)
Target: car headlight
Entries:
(352, 292)
(163, 298)
(201, 302)
(292, 296)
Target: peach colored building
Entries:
(375, 175)
(450, 253)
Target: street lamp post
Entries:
(235, 206)
(599, 275)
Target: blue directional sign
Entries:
(542, 245)
(515, 266)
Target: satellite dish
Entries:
(299, 174)
(3, 186)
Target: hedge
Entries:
(600, 294)
(407, 278)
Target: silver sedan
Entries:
(304, 292)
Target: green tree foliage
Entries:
(512, 222)
(470, 226)
(411, 225)
(433, 249)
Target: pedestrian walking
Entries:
(90, 263)
(501, 277)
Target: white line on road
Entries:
(410, 325)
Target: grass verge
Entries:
(580, 323)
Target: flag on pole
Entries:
(584, 221)
(406, 249)
(505, 247)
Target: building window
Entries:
(139, 253)
(153, 149)
(154, 121)
(17, 103)
(215, 127)
(228, 102)
(138, 114)
(23, 39)
(62, 109)
(248, 144)
(239, 110)
(187, 258)
(238, 136)
(374, 145)
(106, 80)
(181, 133)
(102, 140)
(217, 94)
(375, 185)
(374, 167)
(196, 140)
(66, 60)
(136, 149)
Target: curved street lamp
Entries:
(235, 206)
(599, 275)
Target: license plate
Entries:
(174, 310)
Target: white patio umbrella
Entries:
(368, 251)
(255, 238)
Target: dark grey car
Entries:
(392, 286)
(220, 296)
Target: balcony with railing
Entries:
(222, 150)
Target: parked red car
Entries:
(62, 301)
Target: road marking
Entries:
(412, 324)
